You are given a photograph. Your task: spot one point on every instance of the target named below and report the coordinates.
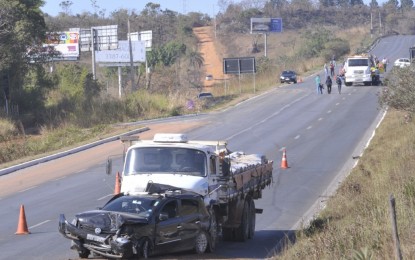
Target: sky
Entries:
(209, 7)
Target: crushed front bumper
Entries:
(109, 246)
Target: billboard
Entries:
(65, 44)
(266, 25)
(239, 65)
(143, 36)
(106, 37)
(122, 54)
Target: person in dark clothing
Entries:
(339, 83)
(328, 83)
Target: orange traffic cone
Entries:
(284, 163)
(117, 188)
(22, 225)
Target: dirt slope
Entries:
(211, 53)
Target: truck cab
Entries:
(357, 70)
(170, 159)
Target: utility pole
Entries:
(371, 24)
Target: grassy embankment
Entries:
(357, 223)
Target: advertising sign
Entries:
(239, 65)
(143, 36)
(65, 43)
(265, 25)
(122, 54)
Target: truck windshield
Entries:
(358, 62)
(163, 160)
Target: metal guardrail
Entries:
(68, 152)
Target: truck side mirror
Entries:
(109, 166)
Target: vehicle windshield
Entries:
(358, 62)
(288, 73)
(138, 205)
(162, 160)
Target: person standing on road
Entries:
(339, 83)
(332, 65)
(326, 70)
(384, 62)
(318, 85)
(329, 82)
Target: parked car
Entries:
(402, 62)
(141, 225)
(288, 76)
(204, 95)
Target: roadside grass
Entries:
(356, 222)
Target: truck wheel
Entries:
(252, 219)
(83, 254)
(201, 242)
(213, 231)
(242, 232)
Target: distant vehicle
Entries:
(204, 95)
(288, 76)
(402, 62)
(358, 70)
(141, 225)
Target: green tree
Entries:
(66, 6)
(22, 28)
(374, 4)
(400, 90)
(407, 5)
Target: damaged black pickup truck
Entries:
(141, 225)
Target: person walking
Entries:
(339, 83)
(326, 70)
(329, 82)
(332, 65)
(318, 85)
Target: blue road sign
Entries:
(276, 25)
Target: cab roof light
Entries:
(170, 138)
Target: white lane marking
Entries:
(328, 112)
(337, 104)
(41, 223)
(344, 98)
(265, 119)
(320, 119)
(28, 189)
(309, 127)
(106, 196)
(58, 179)
(297, 137)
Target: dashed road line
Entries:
(28, 189)
(106, 196)
(41, 223)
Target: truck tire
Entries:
(213, 231)
(242, 232)
(252, 219)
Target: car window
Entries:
(130, 204)
(189, 207)
(170, 209)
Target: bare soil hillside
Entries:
(212, 54)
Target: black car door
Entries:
(191, 221)
(168, 226)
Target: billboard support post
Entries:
(131, 58)
(265, 34)
(119, 81)
(93, 43)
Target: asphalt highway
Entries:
(322, 134)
